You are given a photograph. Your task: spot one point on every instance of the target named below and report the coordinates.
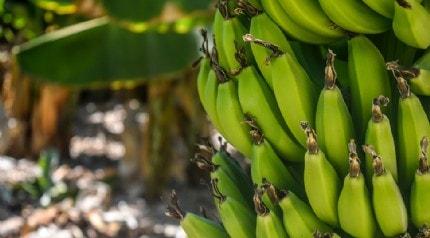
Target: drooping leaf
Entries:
(100, 52)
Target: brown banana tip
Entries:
(256, 133)
(423, 160)
(378, 166)
(319, 234)
(402, 84)
(204, 48)
(276, 51)
(216, 193)
(404, 3)
(354, 161)
(202, 158)
(369, 149)
(222, 6)
(377, 114)
(273, 193)
(354, 167)
(330, 71)
(223, 144)
(352, 147)
(423, 232)
(173, 209)
(203, 212)
(260, 208)
(246, 8)
(404, 88)
(312, 143)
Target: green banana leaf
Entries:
(99, 52)
(143, 10)
(133, 10)
(192, 5)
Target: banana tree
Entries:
(135, 42)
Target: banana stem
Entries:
(173, 209)
(377, 115)
(276, 50)
(260, 208)
(330, 71)
(311, 142)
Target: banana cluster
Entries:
(337, 136)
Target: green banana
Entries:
(420, 76)
(231, 117)
(218, 32)
(294, 90)
(227, 185)
(210, 101)
(194, 226)
(355, 16)
(388, 204)
(412, 126)
(274, 10)
(354, 205)
(333, 118)
(233, 169)
(368, 79)
(233, 30)
(299, 219)
(238, 219)
(258, 102)
(410, 23)
(383, 7)
(420, 191)
(202, 78)
(295, 93)
(268, 223)
(379, 135)
(267, 165)
(262, 27)
(307, 55)
(322, 184)
(231, 180)
(420, 84)
(309, 15)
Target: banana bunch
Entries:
(333, 121)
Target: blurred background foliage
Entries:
(53, 53)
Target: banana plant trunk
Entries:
(157, 144)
